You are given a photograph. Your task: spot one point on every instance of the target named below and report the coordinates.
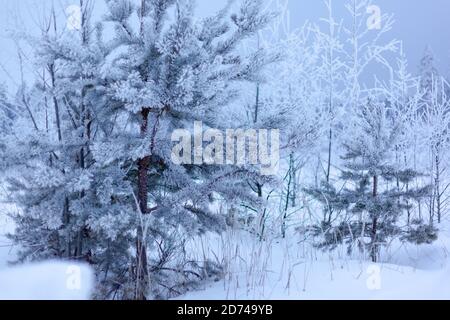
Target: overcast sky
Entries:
(418, 23)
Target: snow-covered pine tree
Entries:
(8, 112)
(41, 157)
(346, 51)
(81, 179)
(373, 204)
(165, 71)
(70, 206)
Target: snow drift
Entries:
(46, 281)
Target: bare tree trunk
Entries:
(293, 181)
(51, 69)
(141, 250)
(288, 196)
(262, 216)
(45, 100)
(259, 187)
(330, 150)
(85, 123)
(24, 98)
(433, 183)
(142, 279)
(143, 166)
(374, 248)
(66, 209)
(66, 221)
(255, 120)
(438, 186)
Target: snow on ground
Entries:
(6, 226)
(289, 270)
(45, 281)
(286, 269)
(349, 281)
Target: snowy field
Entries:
(46, 281)
(286, 269)
(291, 271)
(52, 280)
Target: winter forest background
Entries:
(93, 205)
